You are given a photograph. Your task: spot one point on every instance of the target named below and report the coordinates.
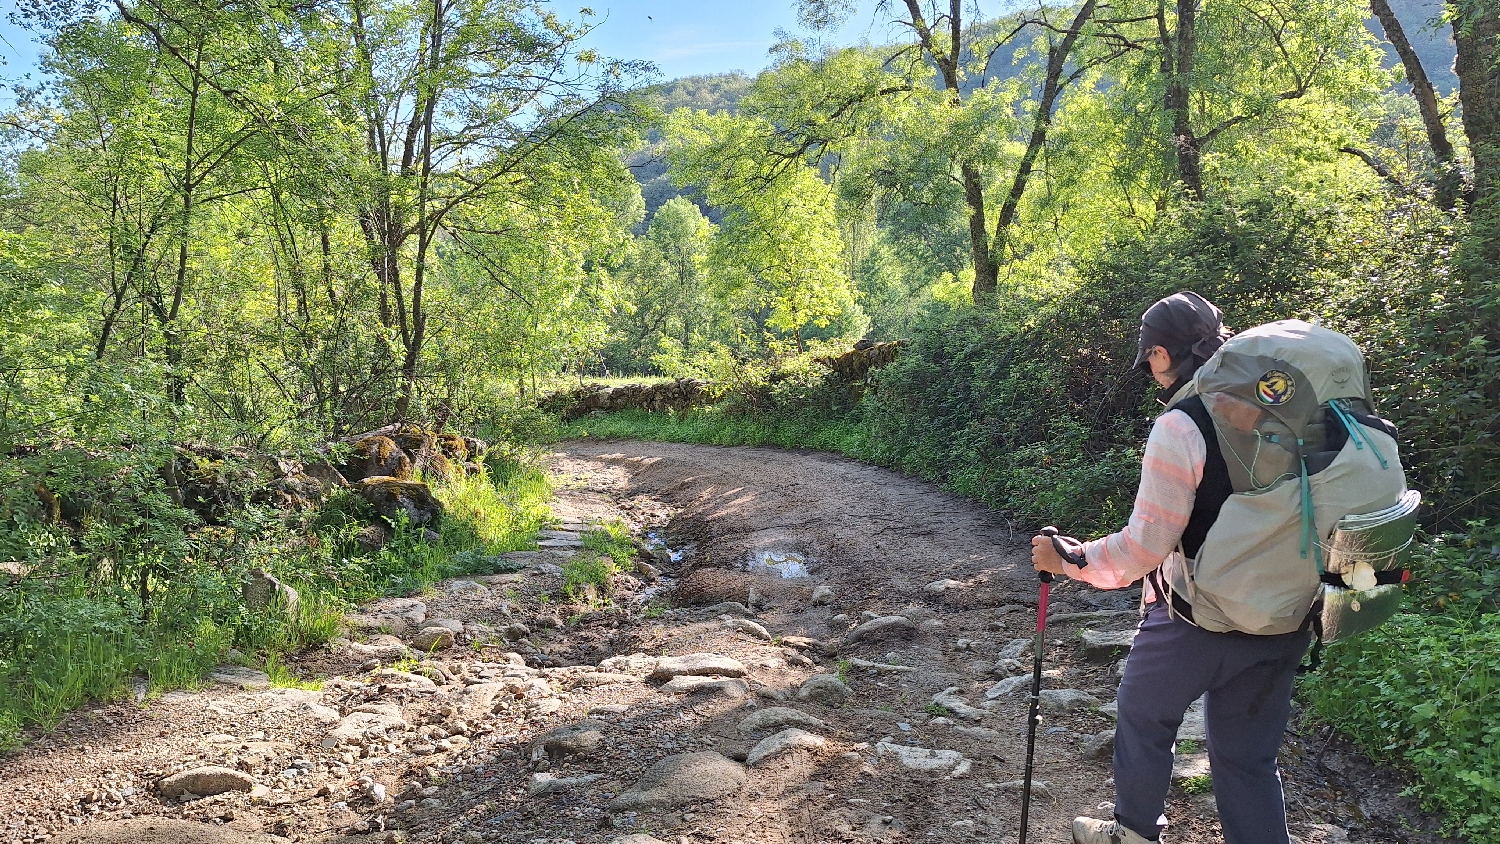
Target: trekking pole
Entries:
(1036, 672)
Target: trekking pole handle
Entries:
(1061, 549)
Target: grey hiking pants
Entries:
(1248, 681)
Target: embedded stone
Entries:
(922, 759)
(938, 587)
(433, 639)
(697, 665)
(1008, 686)
(732, 687)
(748, 627)
(570, 740)
(783, 742)
(826, 689)
(1100, 745)
(1058, 701)
(1107, 645)
(882, 627)
(777, 717)
(245, 678)
(680, 780)
(205, 782)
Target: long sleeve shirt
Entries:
(1171, 470)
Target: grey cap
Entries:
(1182, 321)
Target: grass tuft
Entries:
(75, 631)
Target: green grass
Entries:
(1199, 784)
(607, 550)
(715, 426)
(1422, 692)
(79, 635)
(283, 678)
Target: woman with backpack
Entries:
(1247, 679)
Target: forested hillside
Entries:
(300, 288)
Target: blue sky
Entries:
(683, 37)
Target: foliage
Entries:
(72, 630)
(779, 253)
(1457, 572)
(1202, 784)
(1419, 692)
(188, 233)
(607, 551)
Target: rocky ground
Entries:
(811, 650)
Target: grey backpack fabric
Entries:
(1286, 399)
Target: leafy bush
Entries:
(77, 625)
(1420, 692)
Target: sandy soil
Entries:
(469, 760)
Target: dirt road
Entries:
(874, 696)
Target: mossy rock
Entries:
(453, 447)
(393, 496)
(415, 441)
(376, 456)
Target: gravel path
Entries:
(710, 699)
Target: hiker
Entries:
(1247, 678)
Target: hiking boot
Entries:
(1090, 831)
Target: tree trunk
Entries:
(1449, 179)
(1057, 60)
(986, 273)
(171, 327)
(1476, 32)
(414, 338)
(1179, 49)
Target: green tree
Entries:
(666, 305)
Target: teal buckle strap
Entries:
(1360, 438)
(1309, 518)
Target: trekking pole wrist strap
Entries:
(1078, 559)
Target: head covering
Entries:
(1183, 323)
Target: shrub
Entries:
(166, 605)
(1419, 692)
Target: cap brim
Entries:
(1141, 355)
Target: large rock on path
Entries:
(1058, 701)
(570, 740)
(924, 759)
(682, 779)
(368, 721)
(731, 687)
(433, 638)
(783, 742)
(826, 689)
(697, 665)
(162, 831)
(884, 627)
(1107, 645)
(205, 782)
(778, 717)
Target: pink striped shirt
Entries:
(1170, 473)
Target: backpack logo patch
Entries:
(1275, 388)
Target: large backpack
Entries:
(1319, 521)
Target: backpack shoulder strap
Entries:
(1215, 488)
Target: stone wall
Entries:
(681, 394)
